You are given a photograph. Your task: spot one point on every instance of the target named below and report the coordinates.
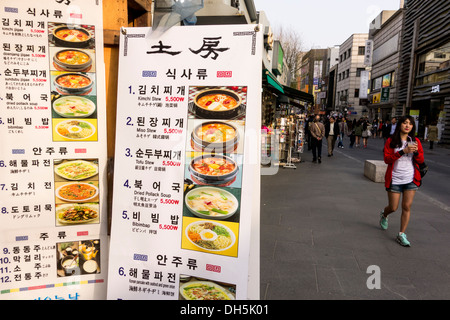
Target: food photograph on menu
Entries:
(73, 82)
(220, 103)
(77, 191)
(195, 288)
(78, 258)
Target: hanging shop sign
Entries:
(364, 84)
(187, 163)
(53, 222)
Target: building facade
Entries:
(349, 69)
(313, 74)
(383, 97)
(424, 81)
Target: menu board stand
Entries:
(187, 164)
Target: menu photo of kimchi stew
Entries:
(204, 290)
(77, 192)
(217, 103)
(77, 213)
(72, 35)
(76, 170)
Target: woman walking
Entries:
(358, 131)
(366, 132)
(402, 153)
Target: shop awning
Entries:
(297, 94)
(272, 81)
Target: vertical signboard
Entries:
(53, 220)
(368, 53)
(187, 163)
(364, 84)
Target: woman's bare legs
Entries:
(408, 197)
(394, 200)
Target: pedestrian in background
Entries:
(366, 133)
(432, 134)
(358, 132)
(343, 130)
(331, 133)
(386, 130)
(317, 131)
(392, 126)
(351, 132)
(375, 128)
(380, 129)
(402, 153)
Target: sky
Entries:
(324, 23)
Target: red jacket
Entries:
(390, 156)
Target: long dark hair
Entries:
(396, 140)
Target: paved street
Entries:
(320, 231)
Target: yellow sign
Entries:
(376, 97)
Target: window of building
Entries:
(349, 52)
(356, 93)
(358, 71)
(361, 51)
(348, 73)
(434, 65)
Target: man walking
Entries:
(317, 131)
(331, 133)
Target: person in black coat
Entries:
(331, 133)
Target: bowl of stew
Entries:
(73, 83)
(72, 36)
(217, 104)
(72, 60)
(215, 136)
(213, 169)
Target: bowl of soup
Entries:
(217, 104)
(213, 169)
(211, 203)
(73, 83)
(71, 36)
(74, 107)
(215, 136)
(72, 60)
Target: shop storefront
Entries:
(284, 112)
(431, 91)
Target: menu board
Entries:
(187, 163)
(53, 221)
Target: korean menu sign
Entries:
(53, 221)
(186, 163)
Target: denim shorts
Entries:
(399, 188)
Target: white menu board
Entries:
(53, 221)
(187, 163)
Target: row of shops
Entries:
(284, 112)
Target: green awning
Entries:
(271, 80)
(299, 95)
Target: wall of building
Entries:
(347, 79)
